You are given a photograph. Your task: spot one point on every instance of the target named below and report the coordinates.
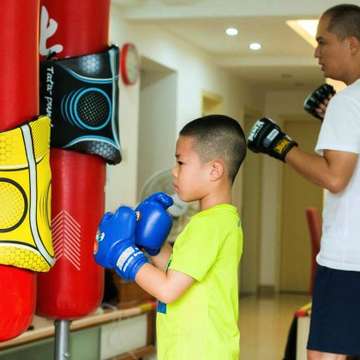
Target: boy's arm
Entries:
(164, 286)
(115, 249)
(161, 260)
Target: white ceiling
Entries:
(285, 61)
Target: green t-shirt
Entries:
(203, 323)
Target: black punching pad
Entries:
(80, 95)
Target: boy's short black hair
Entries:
(344, 20)
(218, 136)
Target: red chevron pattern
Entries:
(66, 234)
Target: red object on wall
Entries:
(129, 64)
(74, 286)
(19, 99)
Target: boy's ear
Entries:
(217, 170)
(354, 44)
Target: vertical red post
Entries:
(74, 286)
(19, 103)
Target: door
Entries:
(297, 195)
(251, 217)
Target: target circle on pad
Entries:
(13, 205)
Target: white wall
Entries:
(195, 72)
(121, 179)
(157, 125)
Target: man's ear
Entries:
(217, 170)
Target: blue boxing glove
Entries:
(154, 222)
(115, 245)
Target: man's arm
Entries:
(332, 171)
(164, 286)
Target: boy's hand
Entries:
(154, 223)
(316, 102)
(115, 245)
(267, 137)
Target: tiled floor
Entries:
(264, 325)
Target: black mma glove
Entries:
(316, 98)
(267, 137)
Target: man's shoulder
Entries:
(346, 101)
(351, 92)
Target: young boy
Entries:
(196, 282)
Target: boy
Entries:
(196, 282)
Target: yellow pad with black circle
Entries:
(25, 196)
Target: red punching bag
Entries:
(19, 88)
(74, 286)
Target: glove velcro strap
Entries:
(283, 146)
(80, 95)
(25, 197)
(129, 262)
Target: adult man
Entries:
(335, 320)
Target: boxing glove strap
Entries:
(129, 263)
(284, 146)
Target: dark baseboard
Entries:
(266, 290)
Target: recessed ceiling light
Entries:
(255, 46)
(231, 31)
(305, 28)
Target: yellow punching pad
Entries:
(25, 196)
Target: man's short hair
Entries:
(344, 20)
(218, 137)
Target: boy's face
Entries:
(191, 175)
(333, 53)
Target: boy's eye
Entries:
(180, 162)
